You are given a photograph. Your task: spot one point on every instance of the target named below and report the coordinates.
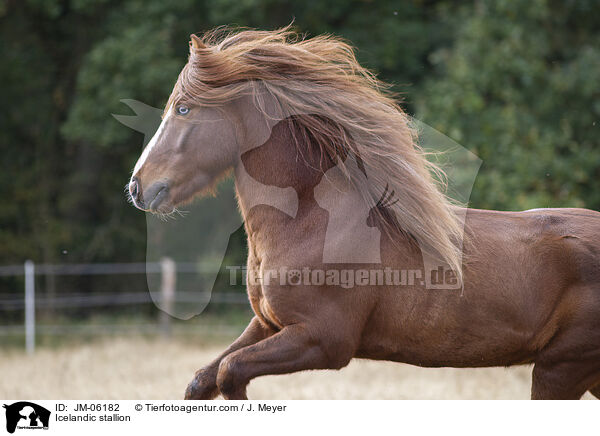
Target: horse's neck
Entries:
(292, 181)
(278, 163)
(276, 174)
(252, 193)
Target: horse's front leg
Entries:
(292, 349)
(204, 384)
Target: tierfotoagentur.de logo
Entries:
(24, 415)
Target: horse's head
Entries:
(193, 147)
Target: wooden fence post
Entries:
(168, 270)
(29, 306)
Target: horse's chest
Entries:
(258, 299)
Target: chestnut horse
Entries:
(300, 123)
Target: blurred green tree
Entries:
(520, 87)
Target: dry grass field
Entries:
(137, 368)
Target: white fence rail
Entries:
(168, 293)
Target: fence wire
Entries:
(30, 303)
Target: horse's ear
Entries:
(196, 43)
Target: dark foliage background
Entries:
(516, 82)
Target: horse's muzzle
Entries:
(152, 198)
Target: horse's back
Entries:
(576, 232)
(556, 253)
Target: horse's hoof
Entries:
(190, 392)
(200, 391)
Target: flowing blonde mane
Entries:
(346, 108)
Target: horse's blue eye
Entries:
(183, 110)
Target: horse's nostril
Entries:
(134, 189)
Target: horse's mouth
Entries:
(159, 199)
